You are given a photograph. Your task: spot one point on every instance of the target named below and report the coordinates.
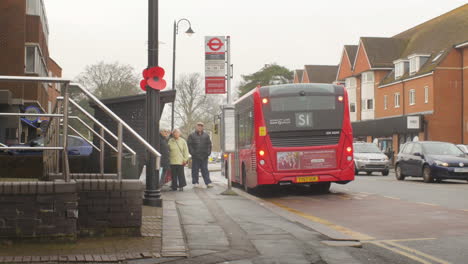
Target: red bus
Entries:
(293, 134)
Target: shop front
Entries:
(390, 133)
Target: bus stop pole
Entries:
(229, 102)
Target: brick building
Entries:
(316, 74)
(24, 41)
(412, 85)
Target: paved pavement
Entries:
(235, 229)
(398, 222)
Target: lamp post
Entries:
(152, 192)
(189, 32)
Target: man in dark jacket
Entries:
(199, 144)
(164, 150)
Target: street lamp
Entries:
(189, 32)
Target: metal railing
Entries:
(59, 122)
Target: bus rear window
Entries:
(308, 112)
(302, 103)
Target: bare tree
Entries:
(193, 105)
(104, 80)
(107, 80)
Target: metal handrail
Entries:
(119, 120)
(95, 133)
(65, 126)
(31, 148)
(82, 110)
(82, 137)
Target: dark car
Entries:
(3, 152)
(76, 147)
(431, 160)
(463, 148)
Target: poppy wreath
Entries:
(153, 77)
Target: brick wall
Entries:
(345, 67)
(38, 210)
(110, 207)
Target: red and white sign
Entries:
(215, 65)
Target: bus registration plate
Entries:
(307, 179)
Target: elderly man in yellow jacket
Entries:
(178, 158)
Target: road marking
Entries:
(336, 227)
(394, 198)
(368, 193)
(415, 258)
(414, 251)
(405, 240)
(430, 204)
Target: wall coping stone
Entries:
(37, 187)
(109, 185)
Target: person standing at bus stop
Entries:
(178, 157)
(199, 144)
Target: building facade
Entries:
(411, 86)
(24, 51)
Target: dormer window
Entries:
(400, 68)
(416, 61)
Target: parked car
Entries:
(76, 147)
(431, 160)
(3, 152)
(215, 157)
(369, 158)
(463, 148)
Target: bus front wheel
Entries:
(321, 187)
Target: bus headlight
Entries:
(349, 158)
(262, 162)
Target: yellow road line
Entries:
(390, 197)
(415, 258)
(466, 210)
(414, 251)
(336, 227)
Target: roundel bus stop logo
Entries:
(154, 78)
(215, 44)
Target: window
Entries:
(30, 59)
(367, 77)
(426, 94)
(385, 102)
(412, 97)
(416, 149)
(407, 148)
(350, 83)
(34, 61)
(370, 104)
(397, 100)
(245, 128)
(414, 64)
(352, 107)
(399, 69)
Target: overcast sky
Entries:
(291, 33)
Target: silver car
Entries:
(369, 158)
